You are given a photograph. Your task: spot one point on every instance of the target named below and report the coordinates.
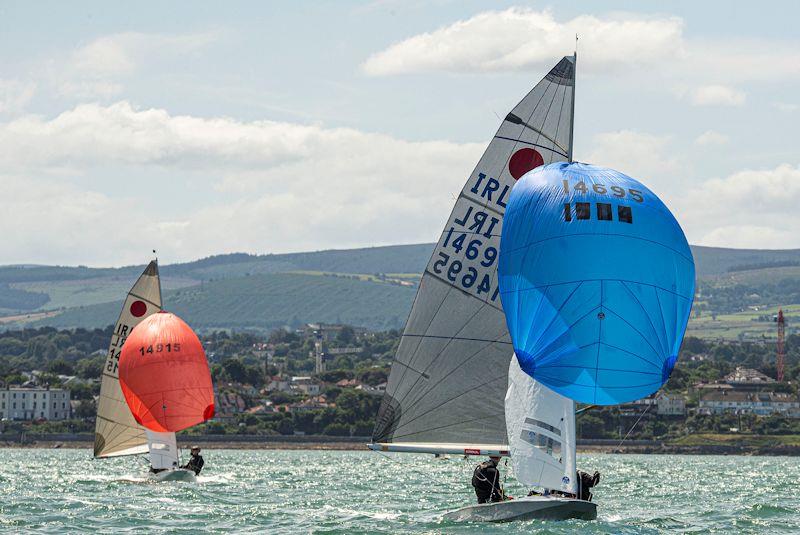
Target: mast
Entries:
(572, 114)
(155, 259)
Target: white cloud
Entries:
(50, 220)
(521, 38)
(620, 45)
(716, 95)
(255, 186)
(97, 69)
(711, 138)
(638, 154)
(751, 209)
(15, 95)
(122, 53)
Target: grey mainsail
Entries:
(450, 374)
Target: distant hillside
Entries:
(716, 260)
(262, 291)
(389, 259)
(269, 301)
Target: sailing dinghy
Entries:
(450, 390)
(117, 433)
(166, 383)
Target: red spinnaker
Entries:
(164, 375)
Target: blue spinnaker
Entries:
(597, 281)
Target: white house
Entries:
(670, 404)
(306, 385)
(35, 403)
(760, 403)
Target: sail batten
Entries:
(450, 372)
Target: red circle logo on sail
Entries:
(138, 309)
(523, 161)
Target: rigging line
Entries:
(634, 426)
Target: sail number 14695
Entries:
(466, 278)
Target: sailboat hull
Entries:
(178, 474)
(529, 507)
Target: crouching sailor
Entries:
(585, 482)
(486, 480)
(196, 463)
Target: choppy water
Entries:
(362, 492)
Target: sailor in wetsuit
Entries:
(486, 480)
(196, 463)
(585, 482)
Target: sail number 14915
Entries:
(160, 348)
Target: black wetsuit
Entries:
(486, 480)
(195, 464)
(585, 482)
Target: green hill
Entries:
(269, 301)
(263, 291)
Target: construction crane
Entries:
(780, 357)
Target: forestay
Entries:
(116, 432)
(450, 372)
(541, 432)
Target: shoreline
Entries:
(339, 444)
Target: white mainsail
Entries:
(448, 380)
(541, 432)
(116, 432)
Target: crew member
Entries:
(486, 480)
(196, 462)
(585, 482)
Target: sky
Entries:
(200, 128)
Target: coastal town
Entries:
(329, 379)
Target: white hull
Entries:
(176, 474)
(542, 507)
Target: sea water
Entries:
(260, 491)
